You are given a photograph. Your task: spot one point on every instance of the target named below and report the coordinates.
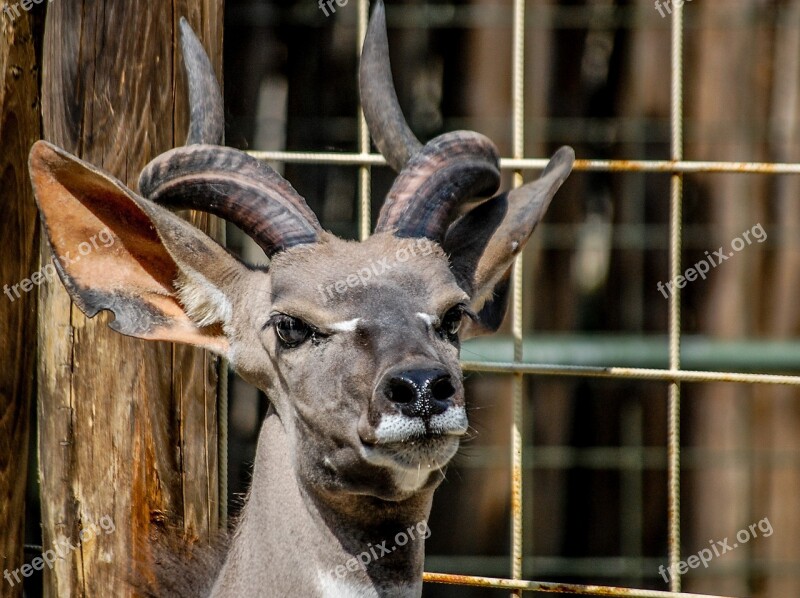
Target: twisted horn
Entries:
(224, 181)
(385, 120)
(206, 117)
(235, 186)
(449, 169)
(433, 178)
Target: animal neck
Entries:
(291, 537)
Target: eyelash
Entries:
(459, 310)
(293, 324)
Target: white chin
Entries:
(412, 449)
(413, 461)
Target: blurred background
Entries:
(597, 77)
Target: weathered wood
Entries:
(128, 428)
(19, 128)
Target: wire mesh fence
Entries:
(682, 368)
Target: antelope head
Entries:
(356, 344)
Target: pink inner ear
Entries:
(106, 242)
(110, 251)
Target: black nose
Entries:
(421, 393)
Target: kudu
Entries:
(365, 389)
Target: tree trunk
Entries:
(19, 128)
(128, 437)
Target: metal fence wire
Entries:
(674, 376)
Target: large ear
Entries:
(483, 243)
(162, 278)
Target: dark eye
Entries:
(291, 331)
(451, 321)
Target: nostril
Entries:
(442, 389)
(399, 391)
(422, 392)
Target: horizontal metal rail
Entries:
(630, 373)
(627, 458)
(621, 350)
(598, 567)
(553, 587)
(663, 166)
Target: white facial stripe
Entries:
(347, 326)
(427, 318)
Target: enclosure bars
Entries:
(675, 241)
(364, 188)
(589, 165)
(673, 376)
(518, 382)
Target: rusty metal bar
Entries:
(675, 166)
(554, 588)
(676, 221)
(662, 166)
(627, 459)
(518, 381)
(632, 373)
(364, 175)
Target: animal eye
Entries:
(451, 321)
(291, 331)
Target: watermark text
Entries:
(61, 550)
(664, 5)
(11, 11)
(375, 268)
(376, 552)
(718, 548)
(47, 273)
(712, 260)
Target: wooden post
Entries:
(19, 128)
(128, 429)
